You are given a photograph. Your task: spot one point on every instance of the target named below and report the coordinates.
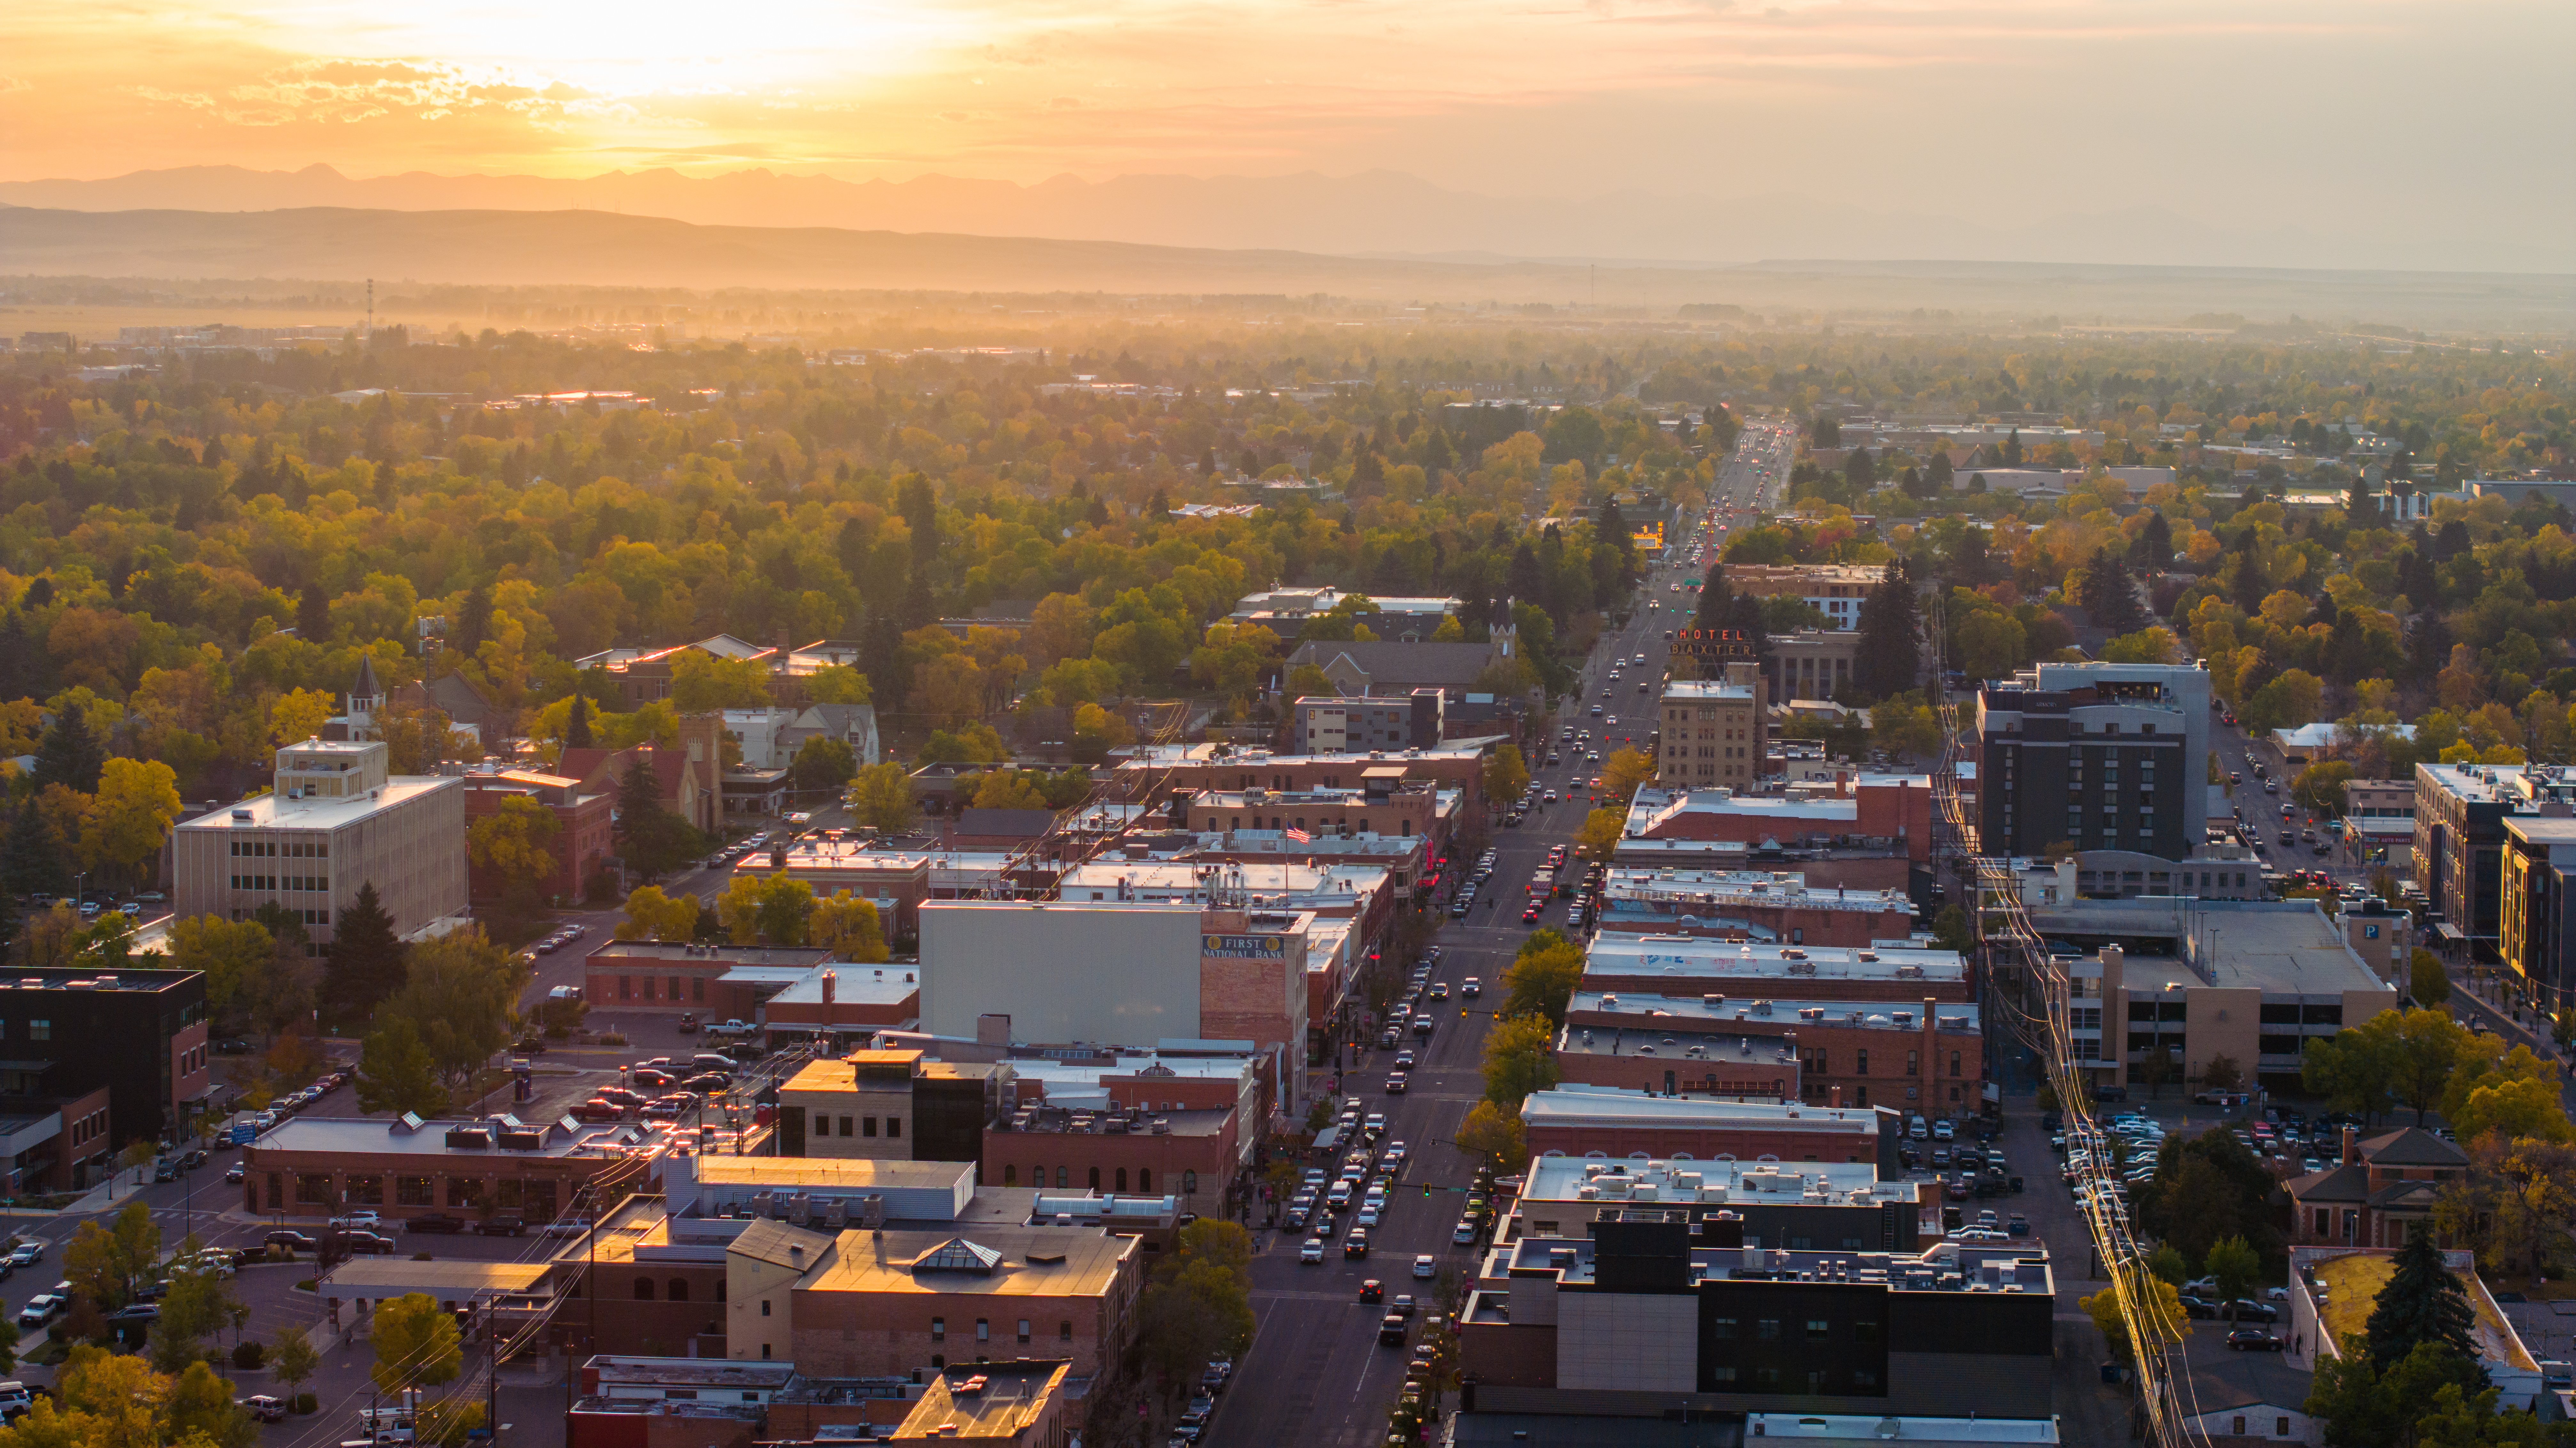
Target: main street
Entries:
(1315, 1373)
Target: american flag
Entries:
(1300, 836)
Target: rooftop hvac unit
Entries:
(836, 1214)
(800, 1209)
(764, 1204)
(1909, 972)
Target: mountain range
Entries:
(1382, 214)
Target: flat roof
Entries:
(865, 984)
(1650, 808)
(1697, 1011)
(2285, 947)
(739, 955)
(1947, 1266)
(1694, 955)
(1687, 690)
(361, 1136)
(1574, 1103)
(1721, 1179)
(984, 1402)
(1020, 1261)
(1870, 1428)
(846, 1173)
(1770, 888)
(1673, 1044)
(375, 1277)
(270, 812)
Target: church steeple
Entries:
(366, 697)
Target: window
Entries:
(1954, 1063)
(939, 1329)
(411, 1191)
(1818, 1329)
(1767, 1329)
(2281, 1427)
(1122, 1179)
(1064, 1330)
(894, 1126)
(643, 1289)
(40, 1030)
(1024, 1329)
(1864, 1331)
(1862, 1069)
(1910, 1066)
(867, 1126)
(697, 987)
(1722, 1328)
(1063, 1177)
(1721, 1374)
(312, 1189)
(983, 1330)
(1095, 1179)
(2240, 1425)
(679, 1290)
(626, 988)
(764, 1307)
(1010, 1175)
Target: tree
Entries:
(1199, 1303)
(1891, 642)
(200, 1409)
(2205, 1189)
(1991, 644)
(2236, 1266)
(1600, 835)
(515, 842)
(2221, 1072)
(70, 755)
(1624, 773)
(1520, 1057)
(32, 861)
(1495, 1134)
(838, 684)
(396, 1073)
(417, 1344)
(823, 765)
(765, 908)
(576, 733)
(2161, 1311)
(2426, 980)
(2421, 1303)
(1541, 980)
(196, 1307)
(702, 683)
(298, 715)
(461, 996)
(2360, 1405)
(234, 956)
(651, 839)
(293, 1358)
(129, 817)
(880, 797)
(2167, 1264)
(850, 926)
(652, 915)
(366, 963)
(1506, 775)
(2320, 786)
(105, 1263)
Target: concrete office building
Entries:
(336, 820)
(2099, 756)
(1714, 731)
(1835, 590)
(1811, 663)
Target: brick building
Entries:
(1922, 1056)
(1579, 1119)
(877, 1303)
(713, 982)
(1323, 724)
(1887, 808)
(1690, 966)
(584, 822)
(1678, 1060)
(890, 1105)
(1383, 804)
(1714, 731)
(689, 775)
(1191, 1155)
(1777, 907)
(1160, 774)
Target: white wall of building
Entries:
(1118, 973)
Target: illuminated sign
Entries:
(1715, 643)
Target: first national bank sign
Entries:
(1244, 947)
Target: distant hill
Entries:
(597, 248)
(1377, 213)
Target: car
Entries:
(292, 1241)
(1355, 1245)
(264, 1408)
(1396, 1082)
(1372, 1290)
(1464, 1234)
(359, 1244)
(2254, 1339)
(1426, 1267)
(501, 1224)
(596, 1110)
(435, 1222)
(133, 1312)
(688, 1023)
(1471, 987)
(234, 1174)
(42, 1308)
(165, 1171)
(653, 1077)
(711, 1083)
(2197, 1307)
(2248, 1310)
(1312, 1251)
(359, 1221)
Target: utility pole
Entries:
(371, 309)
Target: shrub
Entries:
(307, 1403)
(249, 1354)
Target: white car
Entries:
(42, 1308)
(356, 1222)
(27, 1253)
(1425, 1266)
(1312, 1251)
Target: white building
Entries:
(335, 821)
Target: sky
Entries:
(2426, 114)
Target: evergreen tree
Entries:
(577, 725)
(1891, 642)
(1860, 475)
(473, 622)
(650, 838)
(2110, 595)
(2428, 647)
(31, 858)
(2153, 549)
(18, 662)
(366, 963)
(2421, 1303)
(70, 755)
(2012, 449)
(313, 614)
(2415, 578)
(1940, 473)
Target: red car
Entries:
(649, 1076)
(598, 1110)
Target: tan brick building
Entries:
(1714, 732)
